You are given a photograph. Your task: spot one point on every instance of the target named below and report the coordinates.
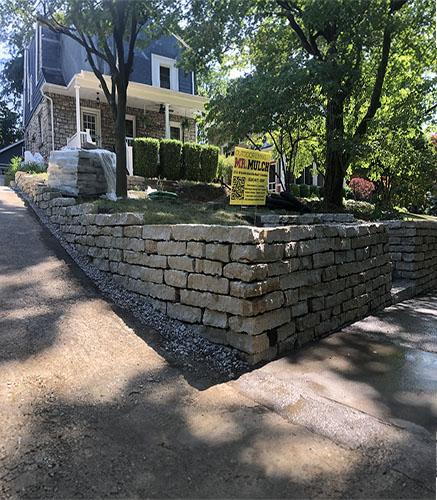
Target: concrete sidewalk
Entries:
(90, 409)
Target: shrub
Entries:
(146, 157)
(295, 189)
(304, 190)
(314, 191)
(208, 163)
(362, 188)
(18, 165)
(225, 165)
(191, 154)
(170, 153)
(348, 193)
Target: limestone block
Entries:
(181, 263)
(216, 251)
(248, 343)
(245, 272)
(175, 278)
(329, 273)
(208, 283)
(255, 289)
(184, 313)
(171, 247)
(261, 323)
(101, 241)
(157, 232)
(133, 231)
(215, 335)
(208, 267)
(301, 278)
(232, 305)
(144, 259)
(120, 219)
(115, 254)
(290, 249)
(257, 253)
(299, 309)
(215, 318)
(150, 246)
(323, 259)
(155, 290)
(196, 249)
(291, 297)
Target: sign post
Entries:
(250, 177)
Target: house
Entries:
(64, 105)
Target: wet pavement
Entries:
(375, 378)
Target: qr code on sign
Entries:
(238, 185)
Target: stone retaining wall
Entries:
(261, 290)
(413, 252)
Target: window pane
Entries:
(164, 77)
(89, 122)
(129, 127)
(175, 133)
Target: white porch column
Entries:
(315, 176)
(196, 132)
(167, 121)
(77, 87)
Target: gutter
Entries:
(51, 117)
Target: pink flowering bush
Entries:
(362, 188)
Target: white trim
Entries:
(87, 79)
(167, 120)
(96, 112)
(192, 83)
(157, 62)
(78, 114)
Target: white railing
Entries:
(84, 139)
(129, 156)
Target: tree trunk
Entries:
(120, 146)
(336, 159)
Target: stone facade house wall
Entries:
(148, 123)
(58, 79)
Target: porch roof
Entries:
(139, 95)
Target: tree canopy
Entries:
(326, 62)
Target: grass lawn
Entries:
(178, 211)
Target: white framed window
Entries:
(165, 74)
(131, 127)
(175, 131)
(90, 119)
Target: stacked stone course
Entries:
(261, 290)
(413, 251)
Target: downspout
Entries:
(51, 117)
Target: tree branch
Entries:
(309, 46)
(375, 99)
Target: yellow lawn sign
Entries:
(250, 177)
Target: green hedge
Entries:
(304, 190)
(146, 157)
(209, 163)
(189, 161)
(191, 165)
(295, 191)
(170, 155)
